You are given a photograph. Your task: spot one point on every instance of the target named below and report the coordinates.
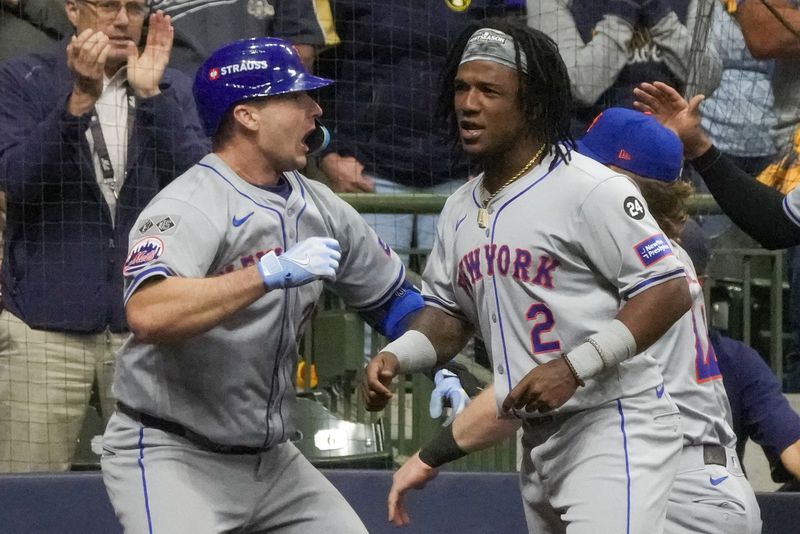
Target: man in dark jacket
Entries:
(88, 135)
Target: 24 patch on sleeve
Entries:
(653, 249)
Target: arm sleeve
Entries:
(675, 43)
(623, 241)
(593, 67)
(305, 22)
(37, 145)
(761, 211)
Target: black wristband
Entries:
(441, 449)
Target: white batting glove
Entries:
(448, 386)
(312, 259)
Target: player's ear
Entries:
(246, 115)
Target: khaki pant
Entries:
(45, 383)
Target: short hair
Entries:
(544, 92)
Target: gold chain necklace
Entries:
(483, 213)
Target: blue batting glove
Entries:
(448, 386)
(312, 259)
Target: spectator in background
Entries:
(30, 25)
(203, 26)
(385, 136)
(773, 34)
(88, 135)
(759, 410)
(764, 213)
(768, 37)
(610, 46)
(739, 116)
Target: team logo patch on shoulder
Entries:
(653, 249)
(142, 253)
(634, 208)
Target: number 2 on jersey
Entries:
(544, 323)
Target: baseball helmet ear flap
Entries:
(245, 69)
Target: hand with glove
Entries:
(449, 387)
(312, 259)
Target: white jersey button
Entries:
(290, 213)
(494, 318)
(500, 369)
(487, 233)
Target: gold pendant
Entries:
(483, 217)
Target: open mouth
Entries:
(313, 139)
(469, 130)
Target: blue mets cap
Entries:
(636, 142)
(245, 69)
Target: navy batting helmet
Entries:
(245, 69)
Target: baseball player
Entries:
(710, 493)
(554, 258)
(224, 269)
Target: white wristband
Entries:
(414, 352)
(603, 350)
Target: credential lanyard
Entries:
(101, 148)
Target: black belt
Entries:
(180, 430)
(715, 455)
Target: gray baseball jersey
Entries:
(234, 384)
(691, 372)
(565, 247)
(705, 498)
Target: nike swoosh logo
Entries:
(717, 481)
(304, 261)
(660, 391)
(238, 222)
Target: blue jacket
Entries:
(387, 67)
(758, 407)
(63, 256)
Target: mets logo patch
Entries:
(653, 249)
(143, 252)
